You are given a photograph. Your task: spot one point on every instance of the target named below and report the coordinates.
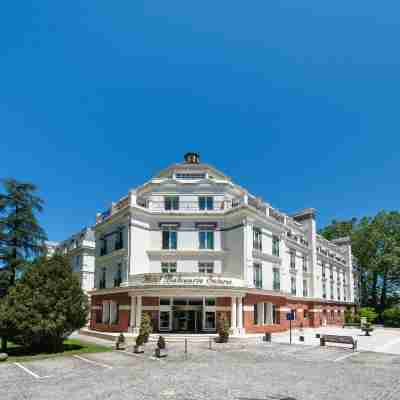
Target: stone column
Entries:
(138, 312)
(233, 315)
(240, 315)
(133, 314)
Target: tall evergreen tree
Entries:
(21, 237)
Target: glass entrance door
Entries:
(187, 320)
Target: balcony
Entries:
(188, 206)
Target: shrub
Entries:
(140, 340)
(46, 305)
(146, 327)
(348, 316)
(121, 338)
(223, 330)
(369, 313)
(391, 317)
(161, 343)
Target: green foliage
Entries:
(391, 317)
(348, 316)
(46, 305)
(369, 313)
(140, 340)
(21, 237)
(146, 328)
(376, 245)
(161, 343)
(223, 330)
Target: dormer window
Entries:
(206, 203)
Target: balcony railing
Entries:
(188, 206)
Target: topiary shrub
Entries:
(391, 317)
(369, 313)
(140, 340)
(223, 330)
(161, 343)
(146, 327)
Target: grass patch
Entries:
(18, 353)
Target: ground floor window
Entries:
(275, 314)
(210, 320)
(255, 314)
(165, 320)
(305, 314)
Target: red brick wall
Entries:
(224, 301)
(150, 301)
(123, 315)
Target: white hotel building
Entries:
(190, 246)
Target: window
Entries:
(206, 203)
(257, 275)
(255, 314)
(294, 312)
(169, 240)
(103, 248)
(114, 313)
(171, 203)
(257, 239)
(305, 314)
(206, 267)
(275, 314)
(106, 313)
(304, 263)
(323, 270)
(331, 292)
(293, 285)
(338, 294)
(118, 276)
(332, 315)
(206, 240)
(324, 290)
(165, 301)
(275, 246)
(276, 283)
(331, 272)
(102, 283)
(293, 259)
(305, 288)
(119, 243)
(168, 267)
(164, 320)
(210, 302)
(210, 320)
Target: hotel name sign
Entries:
(188, 280)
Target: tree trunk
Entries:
(374, 291)
(384, 289)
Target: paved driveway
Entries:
(237, 371)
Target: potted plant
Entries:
(223, 331)
(146, 327)
(367, 328)
(120, 343)
(3, 356)
(161, 350)
(138, 347)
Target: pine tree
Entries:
(21, 237)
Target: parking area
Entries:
(239, 370)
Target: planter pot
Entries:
(160, 353)
(267, 337)
(138, 349)
(301, 338)
(317, 335)
(3, 356)
(120, 346)
(367, 332)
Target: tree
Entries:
(376, 246)
(46, 305)
(21, 236)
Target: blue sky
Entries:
(296, 102)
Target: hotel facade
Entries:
(190, 247)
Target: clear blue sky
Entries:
(297, 101)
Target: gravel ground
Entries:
(245, 370)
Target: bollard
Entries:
(209, 344)
(185, 346)
(267, 337)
